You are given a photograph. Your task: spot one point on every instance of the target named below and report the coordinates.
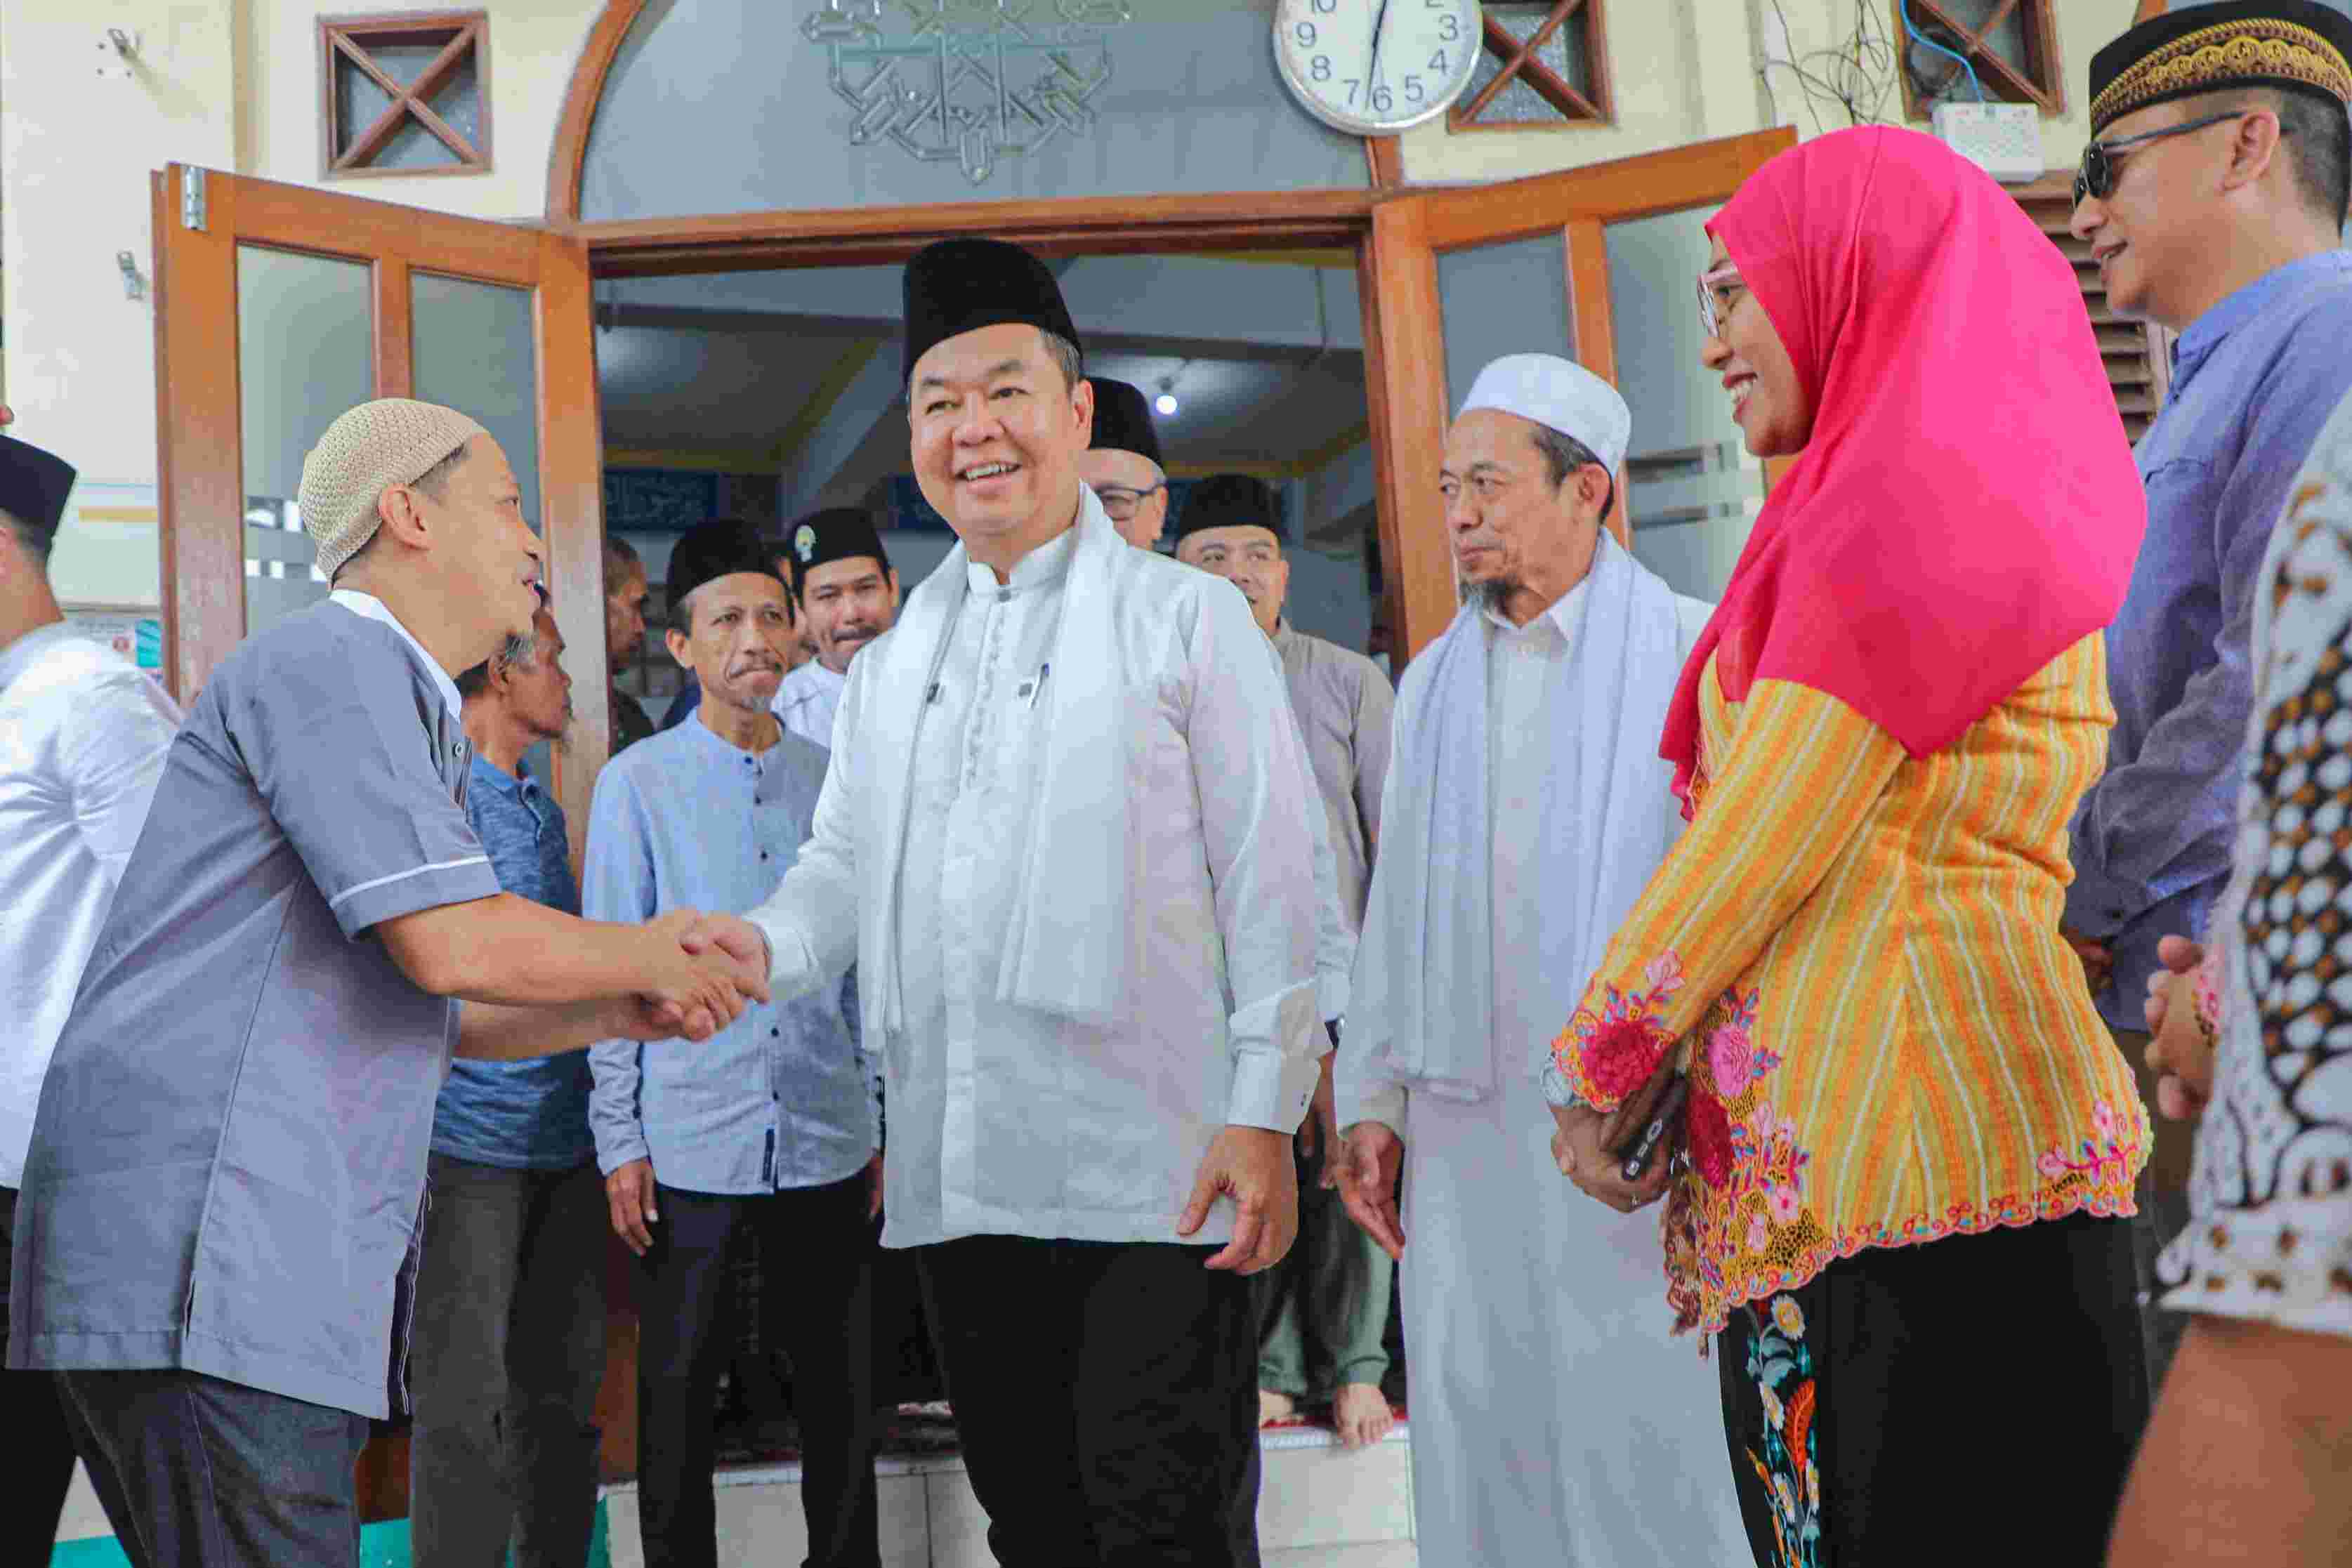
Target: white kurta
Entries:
(806, 701)
(1010, 1120)
(1555, 1420)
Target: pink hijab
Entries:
(1966, 509)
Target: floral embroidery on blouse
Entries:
(1607, 1055)
(2104, 1156)
(1779, 1360)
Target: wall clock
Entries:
(1373, 67)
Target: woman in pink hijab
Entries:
(1908, 1141)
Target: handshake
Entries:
(701, 971)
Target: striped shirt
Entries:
(1888, 1040)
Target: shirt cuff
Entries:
(1381, 1103)
(2097, 907)
(792, 969)
(1557, 1090)
(1272, 1090)
(612, 1153)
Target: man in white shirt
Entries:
(1554, 1419)
(848, 596)
(82, 739)
(1082, 867)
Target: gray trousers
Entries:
(506, 1358)
(1327, 1323)
(198, 1473)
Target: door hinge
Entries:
(191, 199)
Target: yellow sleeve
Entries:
(1791, 796)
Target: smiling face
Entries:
(1248, 556)
(997, 433)
(482, 546)
(1768, 398)
(736, 649)
(2154, 234)
(849, 603)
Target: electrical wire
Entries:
(1925, 42)
(1855, 76)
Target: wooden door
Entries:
(277, 308)
(1532, 276)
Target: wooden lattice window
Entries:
(2138, 355)
(405, 94)
(2011, 44)
(1543, 62)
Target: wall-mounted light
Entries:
(1165, 404)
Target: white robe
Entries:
(806, 701)
(1554, 1419)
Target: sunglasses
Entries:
(2096, 177)
(1710, 313)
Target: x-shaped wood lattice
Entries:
(348, 43)
(1521, 63)
(2006, 76)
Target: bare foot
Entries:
(1361, 1414)
(1273, 1409)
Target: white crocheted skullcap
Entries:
(369, 449)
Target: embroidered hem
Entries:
(2105, 1201)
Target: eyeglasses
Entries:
(2096, 177)
(1121, 503)
(1710, 312)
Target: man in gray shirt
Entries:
(764, 1138)
(1334, 1287)
(218, 1228)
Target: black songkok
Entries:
(1230, 501)
(837, 533)
(33, 486)
(960, 286)
(1123, 420)
(2295, 44)
(719, 547)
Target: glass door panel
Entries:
(474, 352)
(1506, 299)
(304, 342)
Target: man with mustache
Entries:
(1337, 1282)
(224, 1200)
(509, 1345)
(847, 593)
(769, 1133)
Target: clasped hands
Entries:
(703, 971)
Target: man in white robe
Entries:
(1073, 866)
(1554, 1421)
(847, 595)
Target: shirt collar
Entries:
(518, 784)
(21, 654)
(719, 748)
(1283, 635)
(367, 606)
(1045, 565)
(2210, 330)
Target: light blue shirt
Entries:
(783, 1097)
(2253, 379)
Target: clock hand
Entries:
(1372, 72)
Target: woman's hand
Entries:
(2181, 1054)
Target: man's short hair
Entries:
(1564, 455)
(1068, 356)
(517, 653)
(621, 562)
(33, 541)
(435, 481)
(2315, 135)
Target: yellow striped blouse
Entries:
(1889, 1041)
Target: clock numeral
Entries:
(1324, 7)
(1307, 34)
(1449, 27)
(1437, 62)
(1320, 69)
(1412, 90)
(1383, 100)
(1352, 84)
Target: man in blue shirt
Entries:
(2213, 200)
(509, 1337)
(800, 648)
(769, 1138)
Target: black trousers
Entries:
(42, 1443)
(818, 1299)
(1107, 1397)
(199, 1473)
(1975, 1399)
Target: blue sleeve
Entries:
(2164, 822)
(618, 885)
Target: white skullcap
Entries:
(1560, 394)
(392, 441)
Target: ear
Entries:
(679, 648)
(398, 515)
(2252, 149)
(1082, 404)
(893, 575)
(1592, 483)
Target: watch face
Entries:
(1372, 67)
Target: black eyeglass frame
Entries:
(2097, 175)
(1104, 493)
